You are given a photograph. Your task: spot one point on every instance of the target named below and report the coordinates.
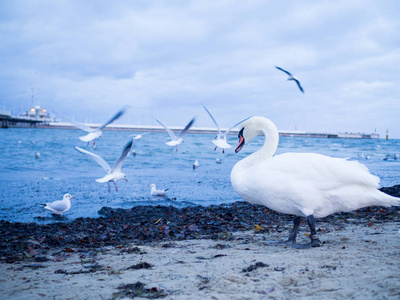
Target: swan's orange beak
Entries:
(126, 179)
(241, 141)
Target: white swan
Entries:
(113, 174)
(59, 207)
(302, 184)
(93, 134)
(220, 139)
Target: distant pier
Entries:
(33, 117)
(7, 120)
(207, 130)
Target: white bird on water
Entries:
(97, 132)
(113, 174)
(291, 77)
(196, 164)
(302, 184)
(59, 207)
(175, 141)
(220, 139)
(155, 192)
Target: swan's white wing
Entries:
(116, 116)
(226, 132)
(186, 128)
(82, 126)
(288, 73)
(298, 84)
(96, 158)
(171, 134)
(215, 122)
(118, 164)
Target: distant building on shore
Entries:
(37, 112)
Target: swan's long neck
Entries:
(271, 141)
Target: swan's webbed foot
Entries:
(292, 237)
(279, 243)
(314, 243)
(291, 241)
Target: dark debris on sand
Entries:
(154, 224)
(137, 289)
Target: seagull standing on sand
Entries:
(291, 77)
(96, 133)
(155, 192)
(59, 207)
(220, 139)
(113, 174)
(175, 141)
(302, 184)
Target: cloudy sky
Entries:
(86, 59)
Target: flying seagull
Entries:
(291, 77)
(113, 174)
(220, 139)
(93, 134)
(175, 141)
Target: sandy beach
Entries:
(216, 252)
(355, 262)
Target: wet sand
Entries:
(216, 252)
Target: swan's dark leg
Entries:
(295, 230)
(292, 236)
(116, 188)
(315, 242)
(108, 187)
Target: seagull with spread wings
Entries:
(95, 133)
(291, 77)
(176, 140)
(113, 174)
(220, 139)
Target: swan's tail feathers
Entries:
(389, 200)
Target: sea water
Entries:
(26, 181)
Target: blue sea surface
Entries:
(26, 181)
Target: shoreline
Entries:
(203, 130)
(146, 224)
(214, 252)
